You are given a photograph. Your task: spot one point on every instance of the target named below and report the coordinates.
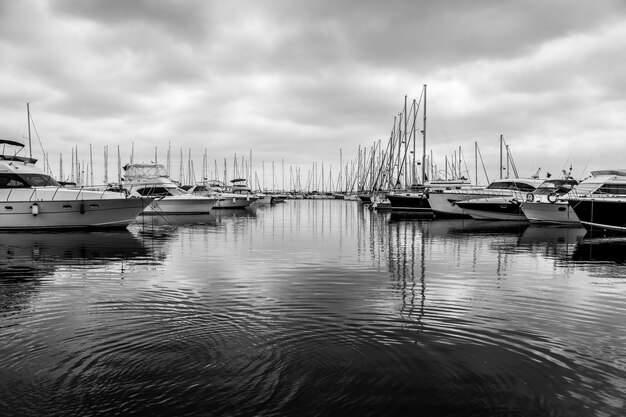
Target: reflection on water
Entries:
(601, 250)
(315, 308)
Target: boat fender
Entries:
(34, 209)
(82, 208)
(234, 200)
(530, 197)
(552, 198)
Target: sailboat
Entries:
(414, 198)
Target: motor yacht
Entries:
(226, 197)
(547, 205)
(500, 200)
(600, 201)
(152, 180)
(32, 200)
(444, 201)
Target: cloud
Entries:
(300, 80)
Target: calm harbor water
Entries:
(313, 308)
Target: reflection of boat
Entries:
(600, 201)
(37, 251)
(601, 250)
(539, 233)
(230, 213)
(447, 228)
(32, 199)
(550, 241)
(177, 220)
(544, 205)
(152, 180)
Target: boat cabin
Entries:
(515, 184)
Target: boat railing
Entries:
(56, 193)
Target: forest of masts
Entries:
(393, 164)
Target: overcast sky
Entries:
(300, 80)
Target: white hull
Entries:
(181, 205)
(263, 199)
(69, 214)
(486, 215)
(233, 201)
(493, 208)
(557, 213)
(443, 204)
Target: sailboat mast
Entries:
(424, 141)
(30, 148)
(501, 139)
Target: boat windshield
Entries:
(602, 186)
(559, 186)
(12, 180)
(158, 191)
(510, 185)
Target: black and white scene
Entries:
(312, 208)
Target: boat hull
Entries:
(263, 199)
(443, 204)
(601, 215)
(410, 202)
(70, 214)
(185, 205)
(559, 213)
(234, 202)
(365, 198)
(493, 209)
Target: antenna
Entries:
(30, 148)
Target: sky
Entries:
(302, 82)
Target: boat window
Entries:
(499, 186)
(619, 189)
(12, 181)
(524, 187)
(40, 180)
(153, 191)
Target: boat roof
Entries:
(14, 157)
(145, 170)
(618, 172)
(11, 142)
(23, 159)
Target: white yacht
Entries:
(547, 204)
(226, 197)
(152, 180)
(32, 199)
(444, 201)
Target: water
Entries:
(313, 308)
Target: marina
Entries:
(312, 307)
(291, 208)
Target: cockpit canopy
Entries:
(26, 180)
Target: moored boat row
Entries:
(597, 203)
(33, 200)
